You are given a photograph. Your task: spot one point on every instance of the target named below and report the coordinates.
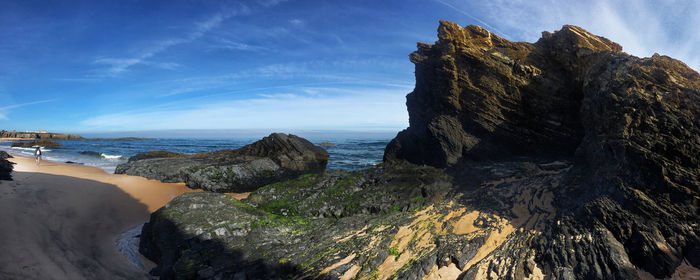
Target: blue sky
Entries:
(101, 66)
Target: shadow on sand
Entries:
(61, 227)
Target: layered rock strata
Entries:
(562, 159)
(628, 124)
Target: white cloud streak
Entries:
(455, 7)
(222, 43)
(348, 110)
(117, 66)
(301, 74)
(4, 111)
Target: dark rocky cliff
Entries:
(481, 97)
(629, 125)
(562, 159)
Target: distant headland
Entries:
(41, 134)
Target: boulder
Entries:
(5, 166)
(273, 158)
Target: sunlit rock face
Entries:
(481, 97)
(562, 159)
(629, 126)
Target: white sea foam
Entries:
(29, 149)
(111, 156)
(108, 163)
(22, 148)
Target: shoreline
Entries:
(152, 193)
(13, 139)
(65, 221)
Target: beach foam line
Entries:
(22, 148)
(30, 149)
(111, 156)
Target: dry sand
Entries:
(60, 221)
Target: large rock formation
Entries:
(563, 159)
(271, 159)
(481, 97)
(5, 166)
(629, 125)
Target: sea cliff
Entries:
(43, 136)
(561, 159)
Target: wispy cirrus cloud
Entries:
(456, 7)
(4, 111)
(346, 110)
(116, 66)
(297, 22)
(227, 44)
(291, 75)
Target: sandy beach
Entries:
(13, 139)
(60, 221)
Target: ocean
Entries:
(349, 153)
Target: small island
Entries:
(40, 143)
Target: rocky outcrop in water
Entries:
(562, 159)
(42, 143)
(34, 135)
(271, 159)
(5, 166)
(156, 154)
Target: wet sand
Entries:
(60, 221)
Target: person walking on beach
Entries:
(37, 155)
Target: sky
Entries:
(109, 66)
